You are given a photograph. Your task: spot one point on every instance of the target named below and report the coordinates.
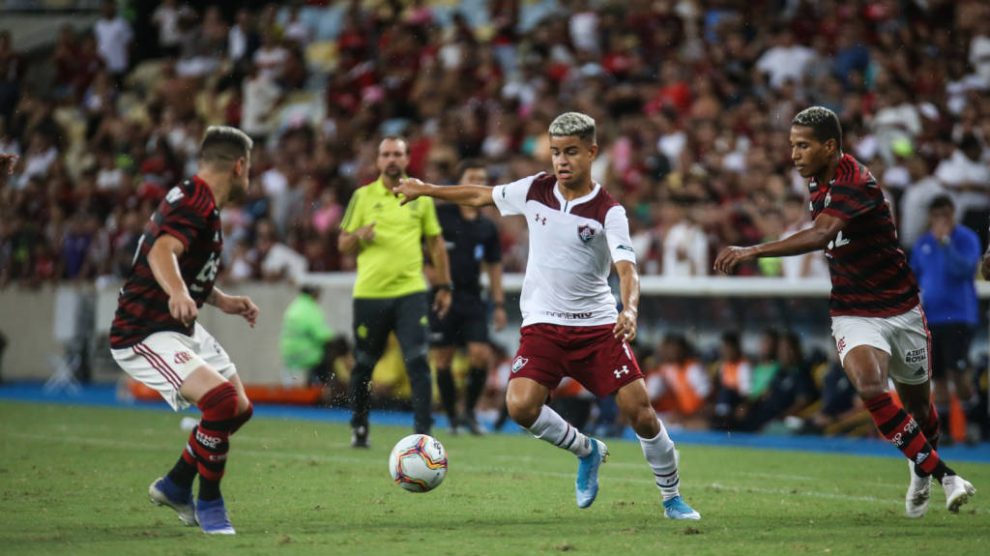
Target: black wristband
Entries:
(448, 286)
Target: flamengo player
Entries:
(155, 337)
(570, 323)
(877, 321)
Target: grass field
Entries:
(73, 480)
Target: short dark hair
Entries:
(823, 122)
(941, 202)
(469, 164)
(224, 144)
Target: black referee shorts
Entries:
(466, 322)
(950, 348)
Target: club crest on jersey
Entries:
(518, 363)
(586, 233)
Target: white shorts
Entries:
(904, 337)
(164, 360)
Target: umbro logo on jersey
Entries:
(541, 219)
(586, 233)
(623, 371)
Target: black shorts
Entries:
(950, 348)
(466, 322)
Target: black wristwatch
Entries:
(448, 286)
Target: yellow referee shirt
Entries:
(391, 265)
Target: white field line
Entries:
(296, 456)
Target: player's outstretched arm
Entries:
(470, 195)
(234, 305)
(814, 238)
(163, 258)
(625, 325)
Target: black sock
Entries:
(183, 473)
(448, 392)
(208, 490)
(941, 470)
(477, 377)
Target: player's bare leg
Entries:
(867, 367)
(634, 403)
(525, 399)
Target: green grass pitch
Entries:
(73, 480)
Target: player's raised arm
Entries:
(470, 195)
(163, 258)
(824, 230)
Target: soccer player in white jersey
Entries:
(570, 323)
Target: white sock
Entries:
(550, 426)
(659, 452)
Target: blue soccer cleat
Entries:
(212, 516)
(677, 508)
(163, 492)
(586, 485)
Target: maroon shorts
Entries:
(590, 355)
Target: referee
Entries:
(390, 290)
(472, 240)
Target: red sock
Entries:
(904, 433)
(209, 439)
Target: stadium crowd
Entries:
(694, 100)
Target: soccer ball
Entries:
(418, 463)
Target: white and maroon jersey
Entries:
(572, 245)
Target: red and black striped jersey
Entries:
(189, 213)
(870, 274)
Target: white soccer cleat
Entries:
(919, 492)
(957, 492)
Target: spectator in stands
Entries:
(277, 261)
(766, 367)
(791, 390)
(840, 411)
(685, 245)
(167, 19)
(113, 40)
(679, 386)
(944, 261)
(734, 378)
(966, 174)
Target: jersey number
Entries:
(209, 270)
(839, 241)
